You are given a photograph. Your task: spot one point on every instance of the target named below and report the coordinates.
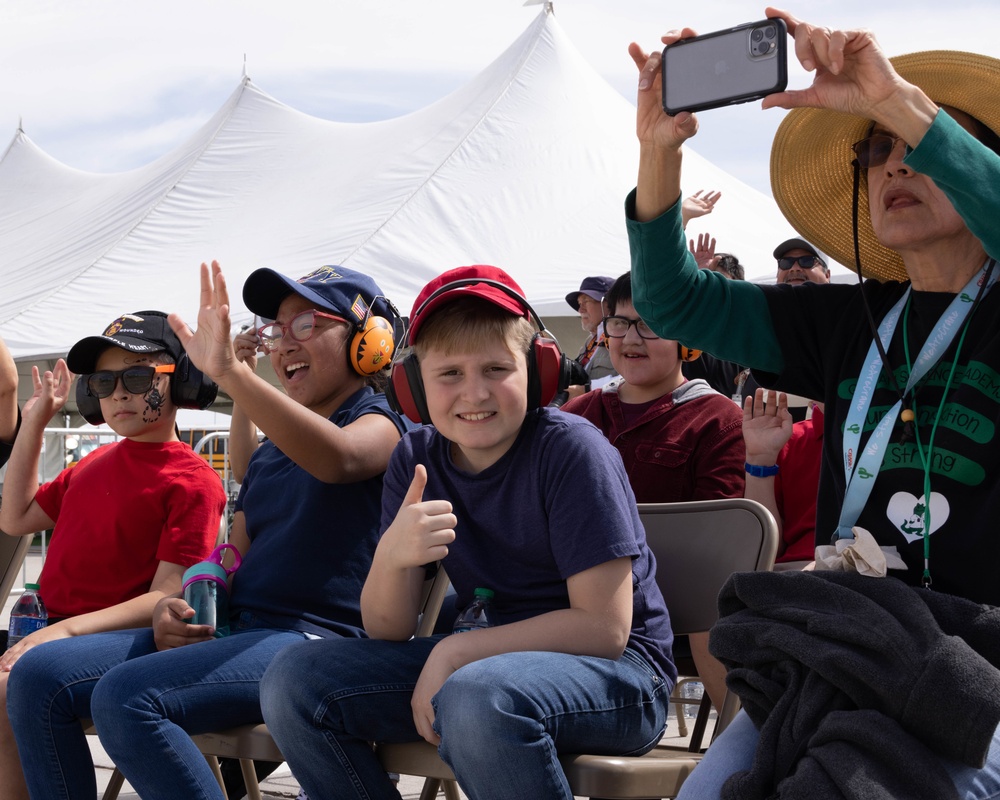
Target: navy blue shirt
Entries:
(555, 504)
(312, 542)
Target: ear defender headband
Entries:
(549, 371)
(189, 388)
(374, 341)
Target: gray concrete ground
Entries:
(280, 784)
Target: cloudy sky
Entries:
(107, 85)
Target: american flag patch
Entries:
(359, 308)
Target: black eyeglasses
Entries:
(136, 380)
(875, 150)
(806, 262)
(617, 328)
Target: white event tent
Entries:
(525, 167)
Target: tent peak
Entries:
(549, 5)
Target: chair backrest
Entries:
(13, 549)
(698, 545)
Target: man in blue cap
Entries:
(594, 356)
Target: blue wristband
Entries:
(761, 472)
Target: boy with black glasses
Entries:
(129, 518)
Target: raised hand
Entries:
(246, 345)
(210, 347)
(698, 205)
(51, 390)
(652, 125)
(852, 75)
(766, 428)
(704, 251)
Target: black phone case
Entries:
(718, 69)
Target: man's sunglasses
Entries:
(136, 380)
(875, 150)
(806, 262)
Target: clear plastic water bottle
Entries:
(478, 614)
(692, 690)
(27, 616)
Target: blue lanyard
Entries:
(861, 468)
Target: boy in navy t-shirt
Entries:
(500, 491)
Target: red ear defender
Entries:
(372, 346)
(545, 371)
(548, 369)
(405, 391)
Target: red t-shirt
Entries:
(118, 513)
(796, 488)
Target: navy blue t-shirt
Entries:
(312, 542)
(557, 503)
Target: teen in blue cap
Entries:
(306, 523)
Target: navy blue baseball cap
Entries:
(595, 287)
(342, 291)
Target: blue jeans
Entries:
(143, 703)
(502, 720)
(733, 752)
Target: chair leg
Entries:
(250, 778)
(213, 763)
(430, 790)
(114, 786)
(700, 724)
(451, 790)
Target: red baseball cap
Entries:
(479, 281)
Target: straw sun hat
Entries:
(811, 173)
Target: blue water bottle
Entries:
(27, 616)
(206, 590)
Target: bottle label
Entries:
(24, 626)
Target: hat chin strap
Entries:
(855, 194)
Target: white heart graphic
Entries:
(902, 513)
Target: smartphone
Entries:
(731, 66)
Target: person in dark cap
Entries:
(128, 519)
(799, 262)
(593, 356)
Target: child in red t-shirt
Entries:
(129, 518)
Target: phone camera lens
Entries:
(757, 35)
(769, 31)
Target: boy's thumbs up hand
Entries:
(422, 530)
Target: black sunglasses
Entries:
(875, 150)
(806, 262)
(136, 380)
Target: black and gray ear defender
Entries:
(189, 388)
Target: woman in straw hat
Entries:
(912, 414)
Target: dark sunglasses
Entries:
(875, 150)
(617, 328)
(136, 380)
(806, 262)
